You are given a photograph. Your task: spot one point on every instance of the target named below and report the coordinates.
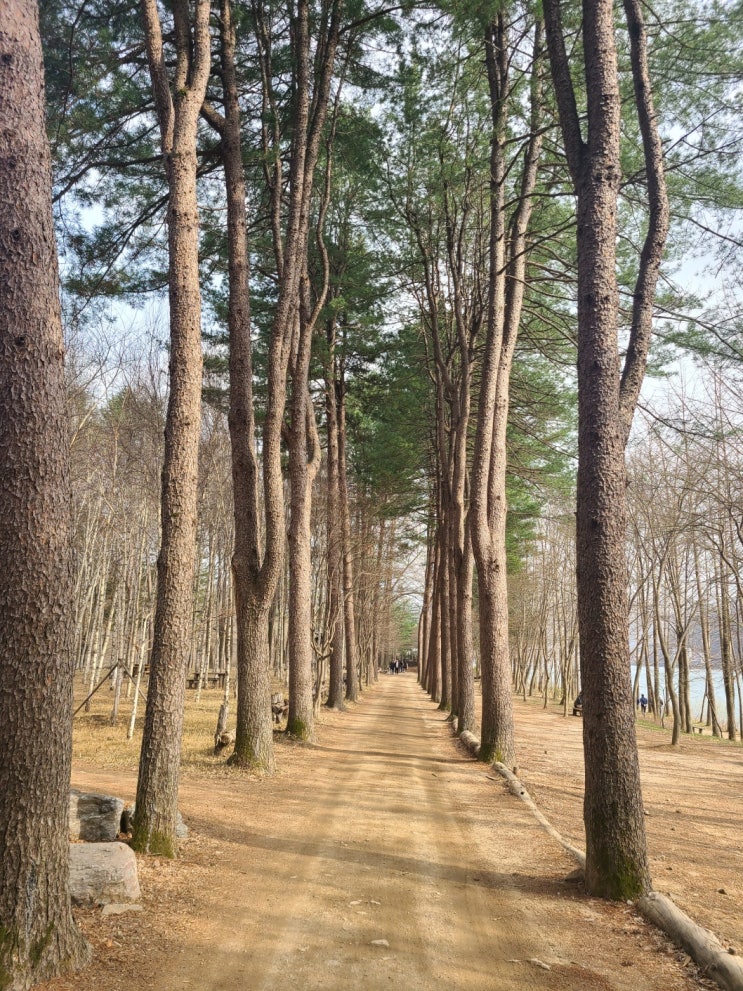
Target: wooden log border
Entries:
(722, 966)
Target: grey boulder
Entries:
(103, 873)
(94, 818)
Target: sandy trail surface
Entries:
(380, 857)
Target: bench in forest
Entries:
(215, 680)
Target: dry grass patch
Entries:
(95, 741)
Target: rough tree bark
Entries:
(178, 106)
(335, 531)
(254, 744)
(466, 681)
(349, 611)
(507, 266)
(304, 464)
(38, 938)
(254, 573)
(304, 458)
(616, 853)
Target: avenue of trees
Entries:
(345, 259)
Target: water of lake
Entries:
(697, 687)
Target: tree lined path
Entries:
(430, 215)
(382, 831)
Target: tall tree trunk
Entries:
(433, 658)
(445, 621)
(38, 938)
(203, 667)
(669, 663)
(253, 586)
(507, 266)
(726, 647)
(178, 114)
(260, 573)
(424, 624)
(382, 592)
(304, 462)
(684, 694)
(616, 851)
(706, 648)
(454, 627)
(466, 676)
(444, 661)
(349, 612)
(681, 626)
(335, 530)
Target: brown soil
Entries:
(693, 797)
(386, 831)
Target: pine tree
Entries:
(38, 938)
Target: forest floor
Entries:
(384, 857)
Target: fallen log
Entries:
(471, 742)
(517, 788)
(723, 967)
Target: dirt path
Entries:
(379, 858)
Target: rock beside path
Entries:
(103, 873)
(94, 818)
